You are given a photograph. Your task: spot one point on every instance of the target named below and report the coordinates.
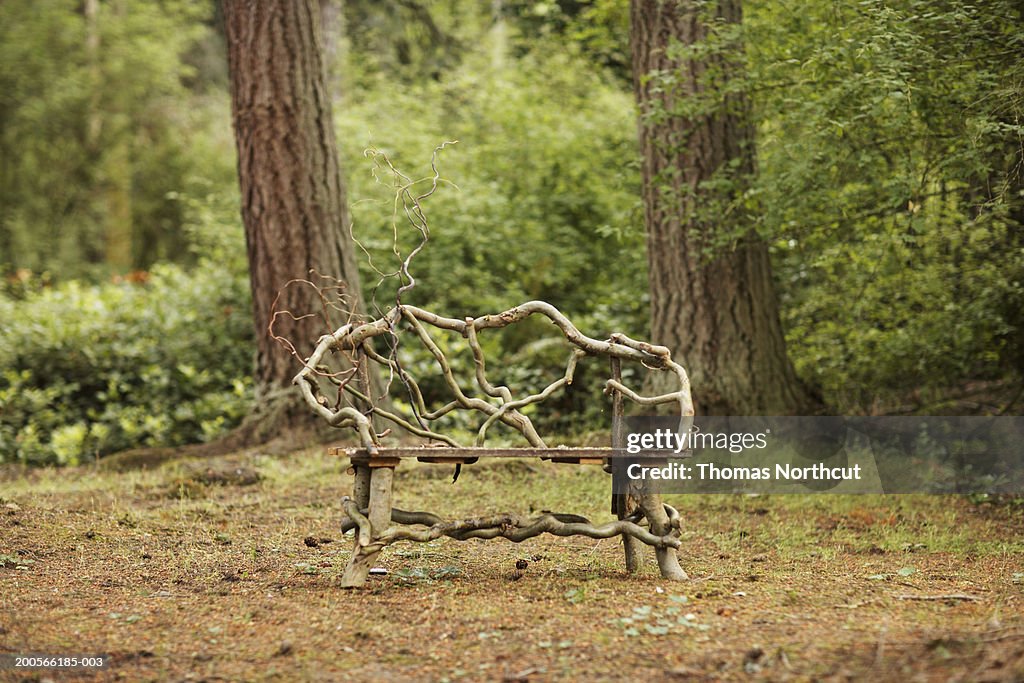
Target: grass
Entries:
(228, 569)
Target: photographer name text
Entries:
(707, 471)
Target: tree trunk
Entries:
(714, 307)
(293, 196)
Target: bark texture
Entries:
(293, 195)
(718, 314)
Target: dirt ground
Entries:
(228, 569)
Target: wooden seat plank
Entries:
(473, 452)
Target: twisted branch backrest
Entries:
(354, 340)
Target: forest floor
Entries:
(227, 569)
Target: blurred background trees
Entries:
(887, 190)
(106, 121)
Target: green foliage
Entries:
(88, 370)
(890, 151)
(96, 128)
(598, 29)
(539, 200)
(394, 41)
(888, 185)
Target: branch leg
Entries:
(363, 557)
(361, 487)
(633, 548)
(654, 510)
(623, 505)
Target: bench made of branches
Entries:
(342, 359)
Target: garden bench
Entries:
(342, 360)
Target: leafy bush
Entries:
(540, 199)
(890, 186)
(89, 370)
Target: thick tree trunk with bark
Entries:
(293, 196)
(717, 313)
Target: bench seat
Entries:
(576, 456)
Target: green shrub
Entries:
(540, 198)
(90, 370)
